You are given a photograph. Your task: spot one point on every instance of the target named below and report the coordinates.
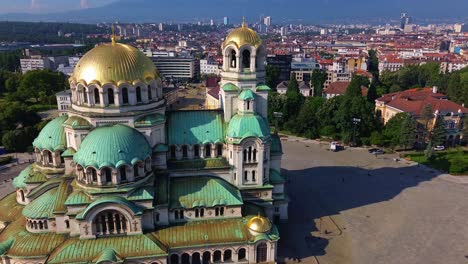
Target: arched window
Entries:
(206, 257)
(196, 258)
(123, 174)
(85, 95)
(110, 222)
(41, 225)
(46, 226)
(216, 211)
(248, 105)
(35, 225)
(67, 224)
(21, 192)
(255, 154)
(227, 255)
(184, 151)
(246, 175)
(173, 152)
(124, 95)
(174, 259)
(241, 255)
(219, 150)
(262, 252)
(93, 175)
(217, 256)
(108, 174)
(150, 95)
(202, 212)
(245, 155)
(221, 211)
(233, 63)
(207, 150)
(197, 213)
(110, 96)
(136, 170)
(246, 59)
(254, 179)
(138, 94)
(97, 99)
(196, 151)
(185, 258)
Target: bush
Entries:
(377, 139)
(5, 160)
(458, 164)
(328, 131)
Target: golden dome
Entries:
(114, 63)
(242, 36)
(259, 224)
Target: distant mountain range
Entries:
(305, 11)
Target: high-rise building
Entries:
(161, 27)
(211, 22)
(267, 21)
(226, 21)
(284, 31)
(283, 64)
(405, 19)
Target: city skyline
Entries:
(183, 11)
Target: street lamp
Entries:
(277, 116)
(356, 121)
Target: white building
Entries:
(36, 63)
(208, 67)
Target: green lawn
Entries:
(454, 161)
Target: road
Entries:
(353, 207)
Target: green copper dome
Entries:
(52, 136)
(246, 95)
(248, 125)
(229, 87)
(112, 146)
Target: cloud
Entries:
(84, 4)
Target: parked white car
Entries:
(439, 148)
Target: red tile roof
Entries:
(341, 87)
(414, 100)
(214, 92)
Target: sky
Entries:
(47, 6)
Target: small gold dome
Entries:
(259, 224)
(114, 63)
(242, 36)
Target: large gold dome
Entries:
(114, 63)
(242, 36)
(259, 224)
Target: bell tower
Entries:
(244, 57)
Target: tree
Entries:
(426, 115)
(429, 152)
(45, 81)
(438, 132)
(293, 86)
(372, 93)
(272, 76)
(19, 140)
(408, 131)
(355, 86)
(393, 130)
(318, 79)
(307, 122)
(373, 64)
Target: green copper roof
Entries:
(77, 122)
(19, 181)
(27, 245)
(276, 177)
(263, 87)
(248, 125)
(76, 250)
(107, 255)
(161, 148)
(204, 233)
(247, 94)
(49, 203)
(229, 87)
(78, 198)
(112, 146)
(150, 120)
(143, 193)
(6, 245)
(195, 127)
(10, 210)
(190, 192)
(70, 152)
(276, 145)
(52, 136)
(137, 210)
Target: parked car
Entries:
(335, 146)
(372, 150)
(378, 152)
(439, 148)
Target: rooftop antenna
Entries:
(243, 22)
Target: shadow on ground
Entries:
(320, 192)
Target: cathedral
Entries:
(121, 179)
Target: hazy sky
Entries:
(45, 6)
